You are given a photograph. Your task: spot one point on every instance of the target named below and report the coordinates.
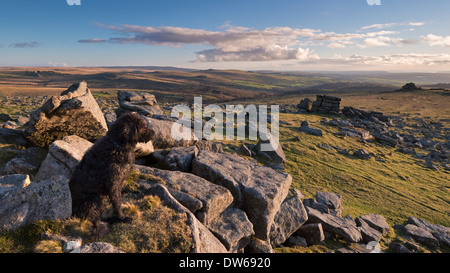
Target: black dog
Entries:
(104, 168)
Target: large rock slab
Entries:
(368, 233)
(432, 228)
(49, 199)
(180, 159)
(291, 216)
(141, 102)
(439, 232)
(422, 236)
(377, 222)
(311, 131)
(164, 139)
(203, 240)
(313, 233)
(214, 198)
(74, 112)
(233, 229)
(63, 156)
(257, 190)
(344, 228)
(332, 200)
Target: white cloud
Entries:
(240, 44)
(230, 44)
(269, 53)
(389, 25)
(386, 41)
(337, 45)
(435, 40)
(410, 60)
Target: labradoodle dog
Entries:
(103, 170)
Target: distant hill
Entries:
(174, 84)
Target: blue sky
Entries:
(400, 35)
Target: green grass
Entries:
(396, 189)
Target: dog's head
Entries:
(132, 128)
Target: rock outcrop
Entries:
(63, 156)
(23, 204)
(326, 104)
(190, 189)
(203, 240)
(74, 112)
(141, 102)
(164, 139)
(257, 190)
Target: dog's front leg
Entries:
(115, 196)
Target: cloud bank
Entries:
(240, 44)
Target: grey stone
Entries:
(399, 248)
(203, 240)
(421, 236)
(258, 246)
(332, 200)
(209, 146)
(297, 241)
(311, 131)
(313, 233)
(427, 226)
(368, 234)
(164, 139)
(233, 229)
(63, 156)
(141, 102)
(439, 232)
(362, 154)
(180, 159)
(49, 199)
(346, 229)
(291, 216)
(214, 198)
(377, 222)
(257, 190)
(13, 181)
(312, 203)
(74, 112)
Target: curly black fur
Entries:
(104, 168)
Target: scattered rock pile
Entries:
(326, 104)
(431, 137)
